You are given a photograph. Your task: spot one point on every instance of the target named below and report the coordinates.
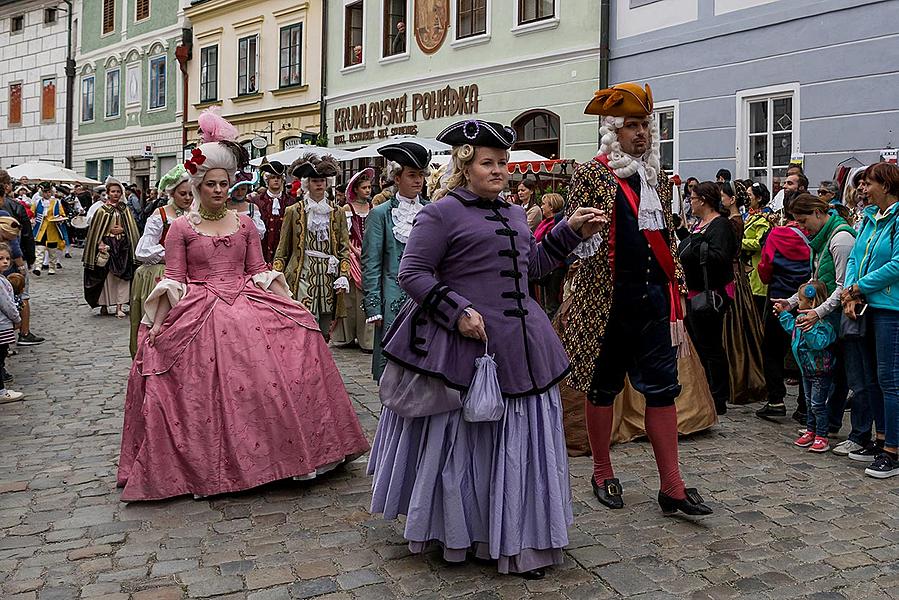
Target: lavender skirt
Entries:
(499, 490)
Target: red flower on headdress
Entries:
(196, 159)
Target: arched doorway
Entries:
(537, 131)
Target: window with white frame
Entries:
(768, 141)
(666, 119)
(108, 25)
(87, 98)
(395, 33)
(90, 169)
(209, 73)
(352, 34)
(113, 92)
(291, 67)
(158, 82)
(471, 18)
(141, 10)
(531, 11)
(248, 65)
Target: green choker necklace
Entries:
(216, 216)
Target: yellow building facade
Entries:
(260, 61)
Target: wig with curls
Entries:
(622, 163)
(454, 177)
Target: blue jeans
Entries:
(886, 347)
(817, 391)
(867, 400)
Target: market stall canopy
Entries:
(291, 154)
(37, 171)
(522, 161)
(428, 144)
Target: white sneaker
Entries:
(845, 447)
(11, 396)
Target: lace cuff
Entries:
(588, 247)
(374, 318)
(167, 288)
(272, 281)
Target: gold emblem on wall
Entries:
(431, 24)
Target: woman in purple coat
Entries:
(498, 490)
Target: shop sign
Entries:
(400, 115)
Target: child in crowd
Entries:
(816, 362)
(9, 321)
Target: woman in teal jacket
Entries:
(872, 279)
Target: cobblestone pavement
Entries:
(787, 524)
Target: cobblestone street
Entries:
(787, 524)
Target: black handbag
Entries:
(707, 301)
(853, 329)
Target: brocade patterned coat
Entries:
(290, 255)
(594, 185)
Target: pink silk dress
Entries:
(239, 389)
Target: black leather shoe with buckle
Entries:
(609, 493)
(692, 504)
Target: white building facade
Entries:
(33, 43)
(415, 67)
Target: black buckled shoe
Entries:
(692, 504)
(609, 493)
(769, 411)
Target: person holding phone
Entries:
(872, 292)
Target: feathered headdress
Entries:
(214, 127)
(310, 165)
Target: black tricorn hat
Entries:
(407, 154)
(272, 167)
(478, 133)
(310, 165)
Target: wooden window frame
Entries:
(44, 118)
(107, 17)
(137, 14)
(348, 33)
(211, 79)
(10, 121)
(387, 29)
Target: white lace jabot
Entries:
(404, 216)
(318, 217)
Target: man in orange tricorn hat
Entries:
(626, 314)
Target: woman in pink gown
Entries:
(232, 385)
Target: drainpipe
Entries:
(605, 27)
(323, 110)
(183, 53)
(70, 91)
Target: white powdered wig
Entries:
(216, 156)
(624, 164)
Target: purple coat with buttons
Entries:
(465, 251)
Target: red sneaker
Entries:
(820, 445)
(805, 440)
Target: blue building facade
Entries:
(747, 84)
